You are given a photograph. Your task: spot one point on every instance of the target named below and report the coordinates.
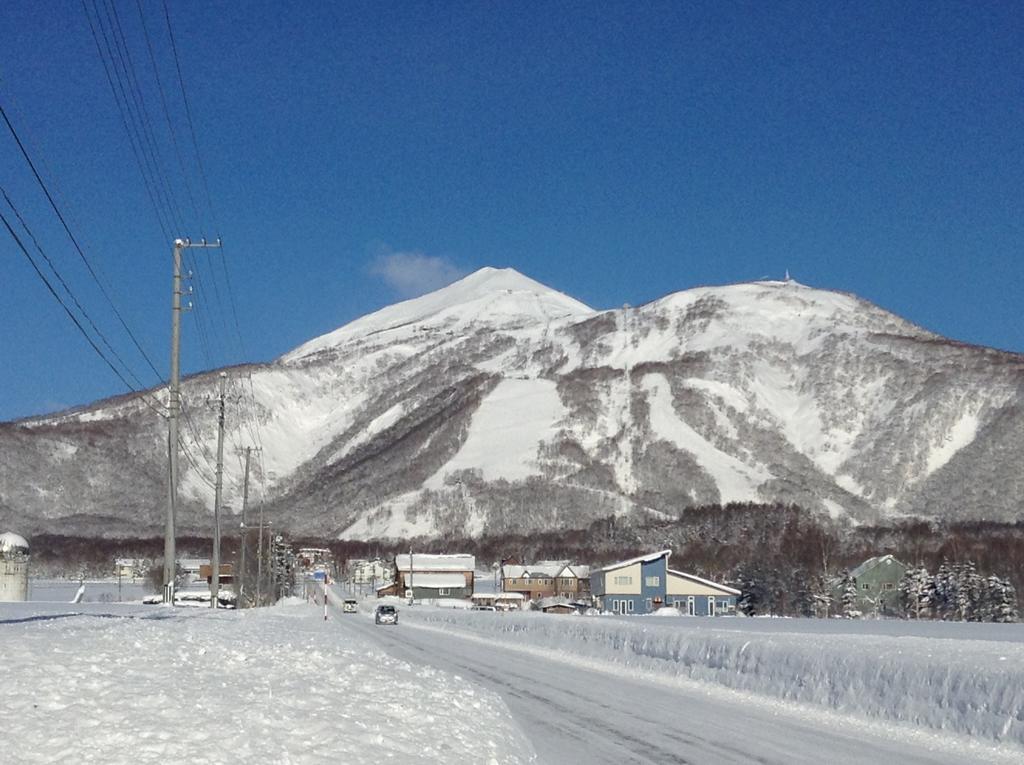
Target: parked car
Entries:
(349, 606)
(386, 615)
(484, 608)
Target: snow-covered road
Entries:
(587, 711)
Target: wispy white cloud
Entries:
(411, 274)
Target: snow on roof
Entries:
(430, 562)
(707, 582)
(640, 559)
(439, 581)
(580, 572)
(497, 596)
(870, 563)
(554, 600)
(549, 568)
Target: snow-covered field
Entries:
(110, 683)
(96, 590)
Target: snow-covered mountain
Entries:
(497, 404)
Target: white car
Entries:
(349, 606)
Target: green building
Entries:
(878, 586)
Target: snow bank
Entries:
(149, 684)
(929, 676)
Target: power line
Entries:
(188, 117)
(121, 108)
(124, 58)
(63, 305)
(167, 114)
(67, 288)
(78, 247)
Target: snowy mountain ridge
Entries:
(497, 404)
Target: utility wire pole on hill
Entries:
(174, 410)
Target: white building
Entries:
(13, 567)
(362, 571)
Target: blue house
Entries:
(645, 584)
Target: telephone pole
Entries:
(174, 410)
(215, 562)
(245, 528)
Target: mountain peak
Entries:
(493, 294)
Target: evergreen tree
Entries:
(1005, 602)
(917, 593)
(848, 597)
(753, 593)
(945, 591)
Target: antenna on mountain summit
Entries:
(788, 277)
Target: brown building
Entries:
(546, 579)
(427, 576)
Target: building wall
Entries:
(429, 593)
(678, 585)
(632, 587)
(14, 579)
(876, 580)
(644, 594)
(701, 604)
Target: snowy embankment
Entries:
(967, 679)
(113, 684)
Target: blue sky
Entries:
(615, 151)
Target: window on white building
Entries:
(623, 580)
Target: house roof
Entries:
(706, 582)
(580, 572)
(870, 563)
(498, 596)
(554, 600)
(439, 581)
(429, 562)
(547, 568)
(640, 559)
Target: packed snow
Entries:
(137, 684)
(130, 683)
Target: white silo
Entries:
(13, 567)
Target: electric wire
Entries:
(69, 312)
(127, 66)
(108, 69)
(67, 288)
(167, 115)
(78, 247)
